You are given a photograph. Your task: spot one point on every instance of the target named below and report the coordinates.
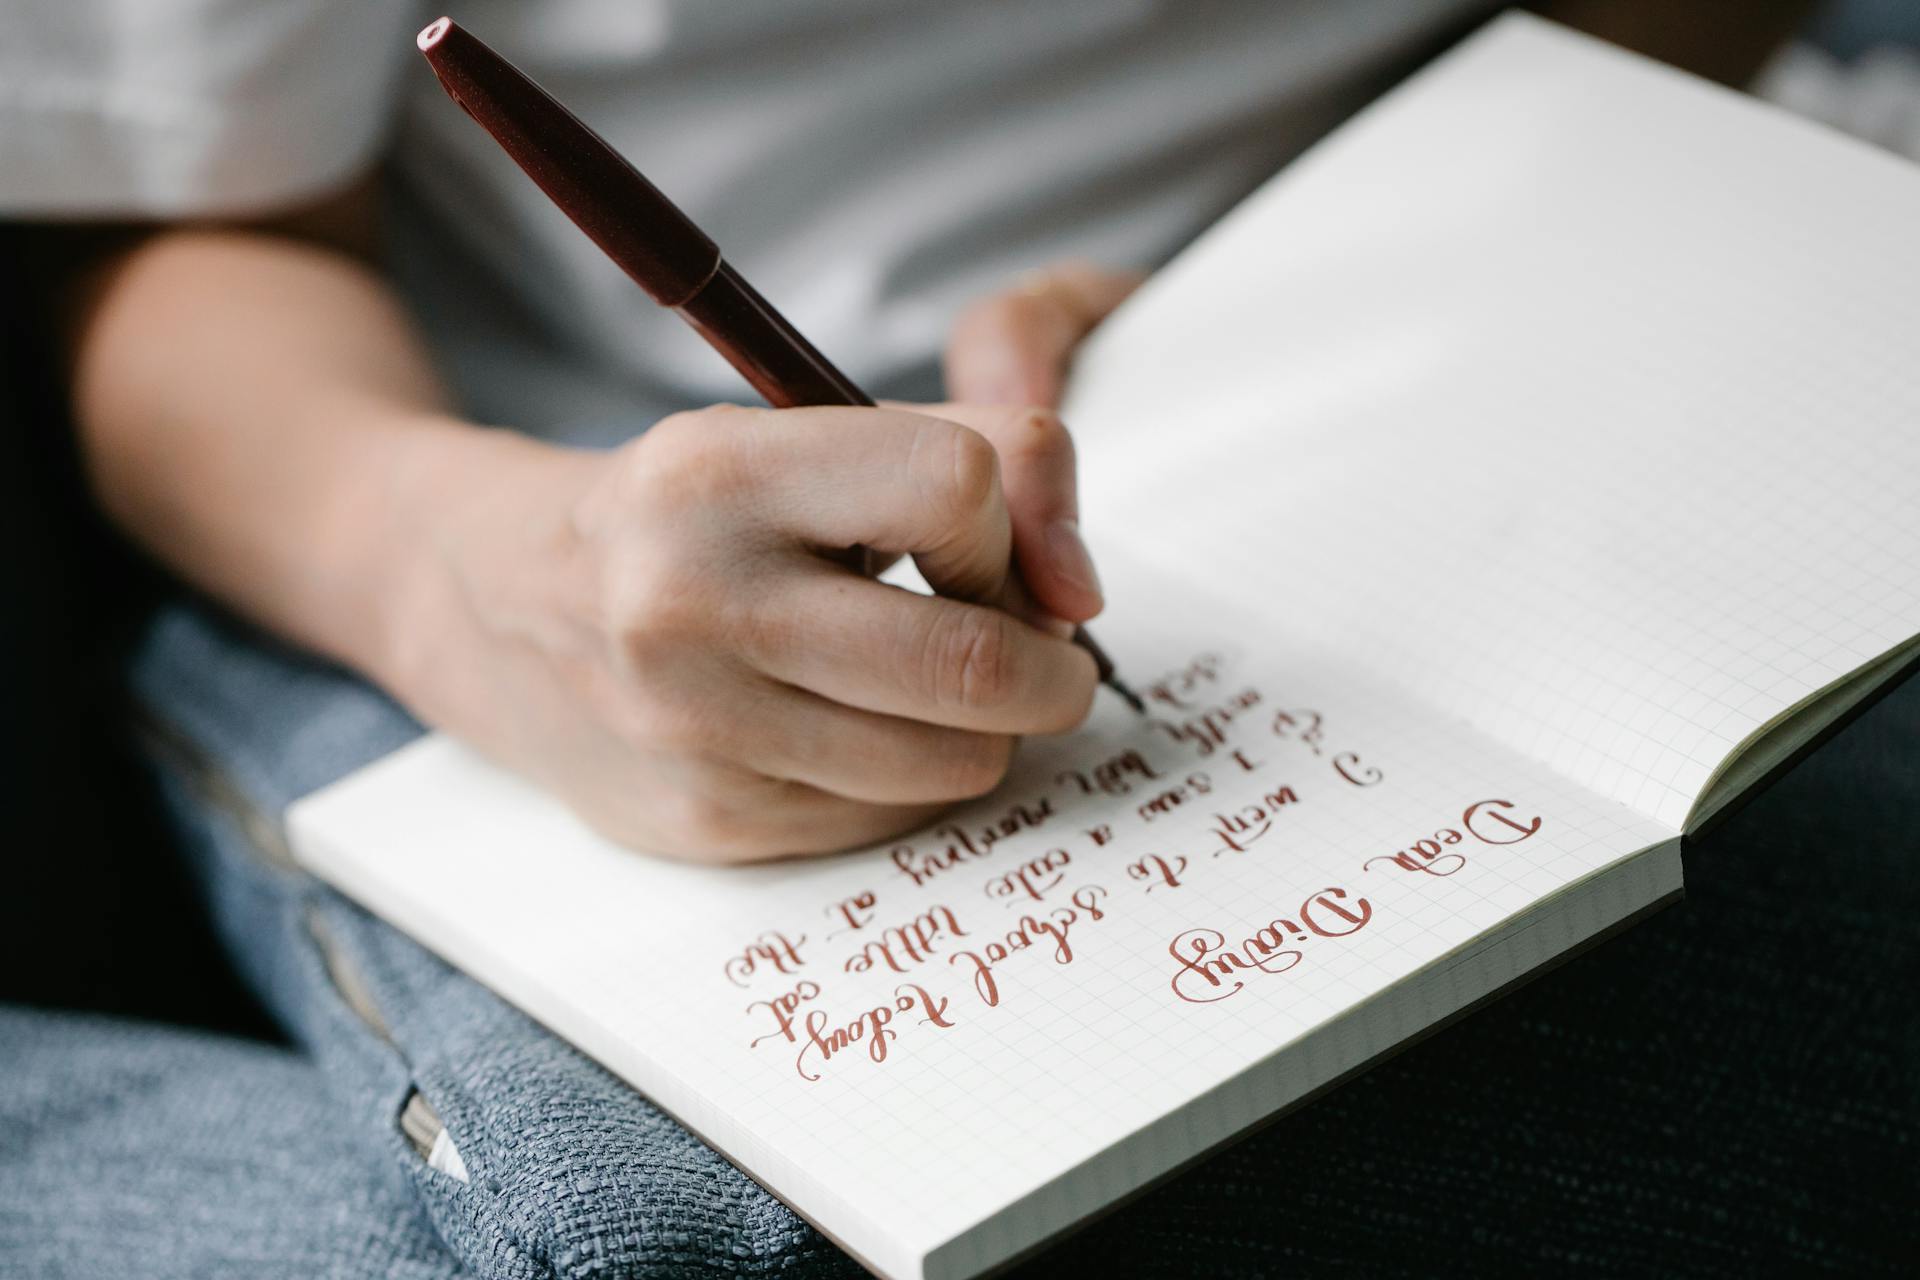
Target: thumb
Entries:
(1014, 347)
(1043, 505)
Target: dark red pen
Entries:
(650, 239)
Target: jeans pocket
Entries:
(250, 846)
(417, 1120)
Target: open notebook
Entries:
(1497, 495)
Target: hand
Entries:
(1014, 347)
(661, 636)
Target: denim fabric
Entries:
(571, 1172)
(1730, 1087)
(128, 1149)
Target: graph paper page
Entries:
(1575, 395)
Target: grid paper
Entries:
(1577, 396)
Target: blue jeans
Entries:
(1729, 1087)
(133, 1150)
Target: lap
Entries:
(1726, 1087)
(128, 1149)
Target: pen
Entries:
(651, 239)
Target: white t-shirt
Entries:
(869, 164)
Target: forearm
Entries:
(259, 413)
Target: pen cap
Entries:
(623, 213)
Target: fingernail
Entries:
(1058, 628)
(1070, 556)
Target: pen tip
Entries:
(431, 34)
(1133, 699)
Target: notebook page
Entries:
(1576, 396)
(1018, 989)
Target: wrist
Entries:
(473, 519)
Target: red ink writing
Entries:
(1032, 879)
(1030, 933)
(856, 911)
(1302, 726)
(1323, 914)
(1489, 823)
(1114, 777)
(873, 1027)
(1157, 871)
(783, 1007)
(1204, 955)
(1197, 784)
(902, 946)
(1209, 970)
(1172, 690)
(965, 845)
(1208, 730)
(771, 949)
(1250, 822)
(1426, 855)
(1347, 765)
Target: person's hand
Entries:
(1014, 347)
(665, 637)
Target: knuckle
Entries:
(975, 474)
(705, 826)
(977, 764)
(671, 446)
(1072, 700)
(1074, 712)
(632, 818)
(688, 458)
(1036, 434)
(975, 660)
(654, 617)
(653, 721)
(619, 824)
(641, 654)
(765, 631)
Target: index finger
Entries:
(891, 480)
(881, 648)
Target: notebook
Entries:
(1509, 487)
